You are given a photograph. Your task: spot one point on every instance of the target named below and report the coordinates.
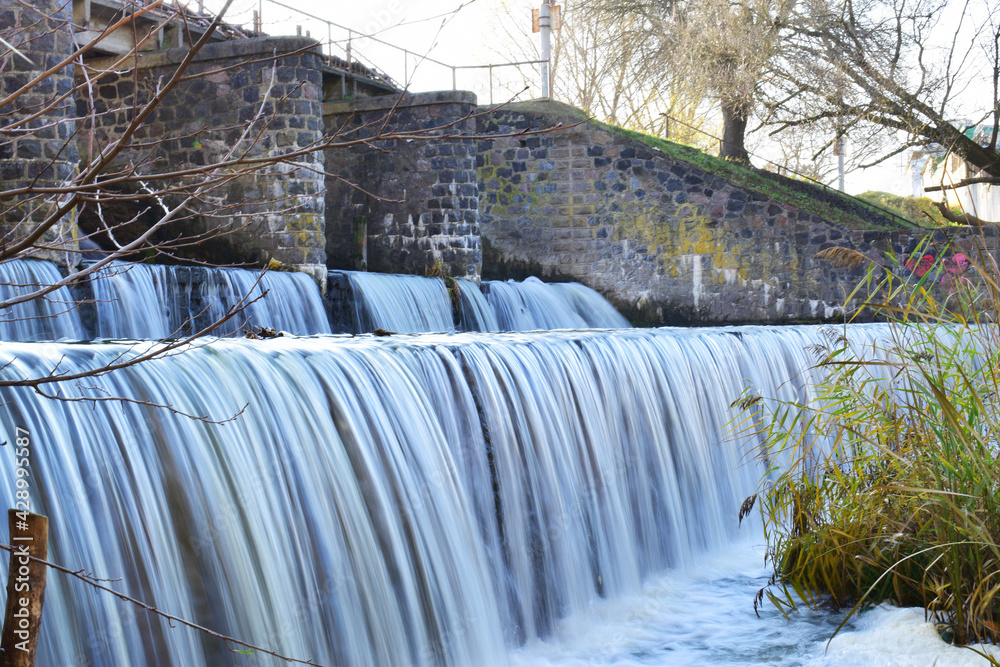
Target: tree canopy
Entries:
(914, 68)
(892, 74)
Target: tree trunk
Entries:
(734, 129)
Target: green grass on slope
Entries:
(826, 203)
(921, 210)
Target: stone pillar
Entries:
(421, 198)
(272, 85)
(36, 128)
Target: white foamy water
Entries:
(704, 615)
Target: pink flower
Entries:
(956, 264)
(925, 264)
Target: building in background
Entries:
(935, 166)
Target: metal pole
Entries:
(406, 68)
(491, 85)
(839, 146)
(544, 26)
(454, 79)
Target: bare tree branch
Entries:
(91, 580)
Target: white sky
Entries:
(477, 34)
(425, 27)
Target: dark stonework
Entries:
(263, 109)
(38, 152)
(663, 240)
(437, 216)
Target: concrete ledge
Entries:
(243, 48)
(318, 272)
(387, 102)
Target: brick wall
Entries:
(37, 152)
(420, 205)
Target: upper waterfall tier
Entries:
(48, 317)
(365, 301)
(406, 304)
(532, 305)
(152, 301)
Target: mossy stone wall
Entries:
(665, 241)
(418, 197)
(245, 99)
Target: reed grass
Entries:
(884, 485)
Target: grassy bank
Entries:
(829, 204)
(890, 489)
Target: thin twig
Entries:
(84, 576)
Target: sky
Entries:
(479, 32)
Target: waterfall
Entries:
(139, 301)
(50, 317)
(533, 305)
(476, 314)
(292, 302)
(400, 303)
(186, 299)
(591, 306)
(150, 301)
(431, 500)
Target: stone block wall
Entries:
(663, 240)
(239, 102)
(418, 197)
(36, 151)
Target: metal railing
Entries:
(340, 45)
(813, 181)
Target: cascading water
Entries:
(400, 303)
(292, 302)
(50, 317)
(533, 305)
(591, 306)
(150, 301)
(434, 500)
(138, 301)
(476, 314)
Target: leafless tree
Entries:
(596, 68)
(725, 48)
(907, 72)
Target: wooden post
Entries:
(29, 535)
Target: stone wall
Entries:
(663, 240)
(419, 204)
(37, 152)
(408, 185)
(240, 102)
